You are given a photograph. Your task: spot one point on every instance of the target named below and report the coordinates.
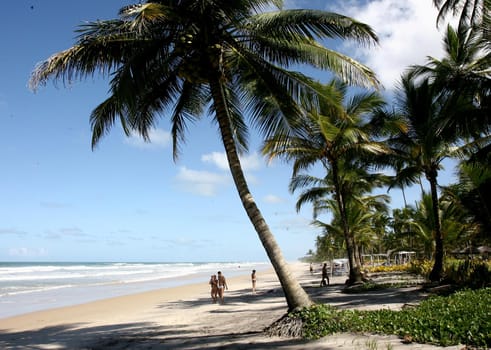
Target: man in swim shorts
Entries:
(222, 285)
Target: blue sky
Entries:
(127, 200)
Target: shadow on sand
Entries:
(146, 335)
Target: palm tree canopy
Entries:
(425, 140)
(336, 130)
(470, 12)
(160, 56)
(464, 77)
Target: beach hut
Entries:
(340, 267)
(404, 257)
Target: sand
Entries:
(185, 318)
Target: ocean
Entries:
(27, 287)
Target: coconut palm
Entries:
(421, 223)
(470, 12)
(464, 71)
(335, 135)
(423, 144)
(471, 196)
(228, 59)
(363, 215)
(403, 234)
(330, 243)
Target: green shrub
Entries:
(470, 273)
(390, 268)
(371, 286)
(421, 267)
(461, 318)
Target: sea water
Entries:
(27, 287)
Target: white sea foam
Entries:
(26, 287)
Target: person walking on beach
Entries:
(253, 280)
(325, 276)
(222, 285)
(214, 288)
(311, 267)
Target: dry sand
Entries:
(185, 318)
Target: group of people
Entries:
(218, 284)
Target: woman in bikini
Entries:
(214, 288)
(253, 279)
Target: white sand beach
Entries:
(185, 318)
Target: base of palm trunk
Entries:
(288, 326)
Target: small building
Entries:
(404, 257)
(340, 267)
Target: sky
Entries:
(127, 200)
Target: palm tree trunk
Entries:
(295, 295)
(354, 266)
(436, 272)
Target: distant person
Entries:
(311, 269)
(325, 276)
(222, 285)
(214, 288)
(253, 280)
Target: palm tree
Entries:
(422, 145)
(471, 195)
(470, 12)
(464, 71)
(335, 136)
(363, 216)
(330, 243)
(403, 231)
(463, 76)
(229, 58)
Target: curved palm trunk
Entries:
(436, 272)
(354, 266)
(295, 296)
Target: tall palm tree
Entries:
(463, 77)
(184, 58)
(422, 145)
(334, 135)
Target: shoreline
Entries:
(185, 318)
(50, 296)
(87, 312)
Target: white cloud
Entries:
(218, 159)
(72, 231)
(27, 252)
(54, 205)
(248, 162)
(12, 231)
(202, 182)
(407, 33)
(272, 199)
(207, 183)
(159, 138)
(251, 162)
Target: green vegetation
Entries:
(461, 318)
(461, 273)
(468, 273)
(369, 286)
